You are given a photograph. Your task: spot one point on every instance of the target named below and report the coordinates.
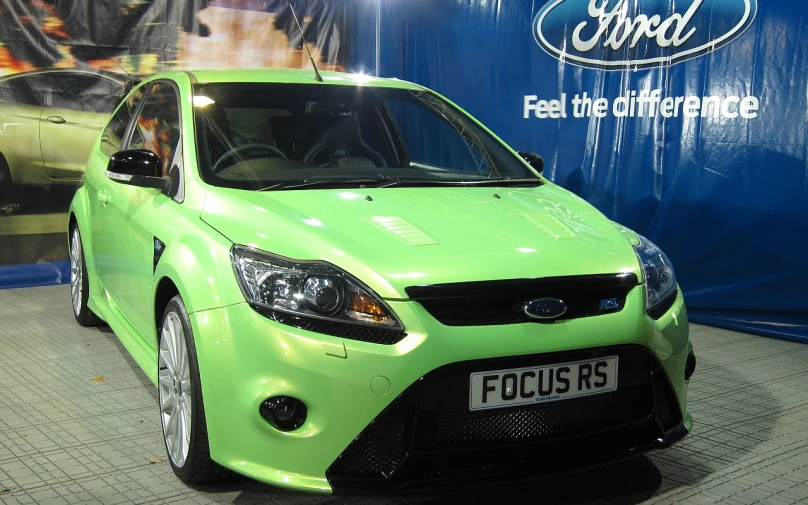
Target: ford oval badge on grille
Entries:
(545, 308)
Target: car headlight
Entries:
(309, 289)
(658, 274)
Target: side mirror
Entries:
(138, 167)
(533, 159)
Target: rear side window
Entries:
(112, 137)
(82, 92)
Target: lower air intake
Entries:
(429, 438)
(382, 450)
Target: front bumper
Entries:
(429, 439)
(245, 358)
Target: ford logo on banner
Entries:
(621, 34)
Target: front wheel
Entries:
(79, 284)
(182, 412)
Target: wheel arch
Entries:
(199, 267)
(6, 180)
(10, 164)
(78, 214)
(4, 166)
(166, 290)
(204, 281)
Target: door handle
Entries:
(103, 197)
(57, 119)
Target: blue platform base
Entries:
(793, 327)
(34, 274)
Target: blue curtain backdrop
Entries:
(726, 197)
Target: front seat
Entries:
(288, 134)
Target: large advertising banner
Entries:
(64, 67)
(684, 120)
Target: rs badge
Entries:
(609, 304)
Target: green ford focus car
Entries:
(350, 285)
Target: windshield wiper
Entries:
(506, 181)
(338, 182)
(386, 181)
(276, 186)
(324, 182)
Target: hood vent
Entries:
(401, 229)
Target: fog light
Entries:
(284, 412)
(690, 365)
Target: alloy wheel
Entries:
(76, 273)
(174, 381)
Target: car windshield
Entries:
(264, 136)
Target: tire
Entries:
(79, 284)
(182, 412)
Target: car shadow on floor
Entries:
(729, 425)
(625, 483)
(147, 384)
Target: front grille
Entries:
(466, 428)
(502, 302)
(428, 436)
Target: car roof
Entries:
(294, 76)
(118, 77)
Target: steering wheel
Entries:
(250, 150)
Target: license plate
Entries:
(526, 386)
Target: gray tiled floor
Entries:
(66, 438)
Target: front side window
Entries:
(265, 136)
(113, 134)
(158, 126)
(26, 90)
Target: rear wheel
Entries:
(79, 284)
(182, 412)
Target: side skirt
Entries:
(105, 308)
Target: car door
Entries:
(128, 214)
(96, 183)
(80, 106)
(22, 99)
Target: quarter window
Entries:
(158, 125)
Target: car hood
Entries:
(392, 238)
